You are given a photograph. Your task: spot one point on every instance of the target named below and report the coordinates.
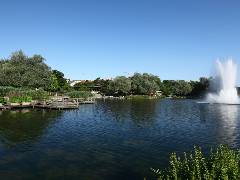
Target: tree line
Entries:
(146, 84)
(21, 71)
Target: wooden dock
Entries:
(3, 107)
(87, 102)
(56, 105)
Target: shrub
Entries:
(37, 94)
(223, 163)
(15, 99)
(2, 100)
(80, 94)
(4, 90)
(20, 93)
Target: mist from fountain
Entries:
(224, 83)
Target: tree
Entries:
(176, 88)
(121, 85)
(61, 82)
(54, 86)
(84, 86)
(204, 83)
(182, 88)
(22, 71)
(105, 84)
(145, 83)
(167, 87)
(200, 87)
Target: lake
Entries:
(112, 139)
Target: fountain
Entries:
(225, 84)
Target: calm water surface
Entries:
(111, 139)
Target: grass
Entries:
(222, 164)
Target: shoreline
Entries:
(75, 105)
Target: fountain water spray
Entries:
(225, 84)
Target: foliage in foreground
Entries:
(223, 163)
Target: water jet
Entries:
(224, 84)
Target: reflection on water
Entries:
(225, 119)
(229, 116)
(138, 111)
(111, 139)
(20, 125)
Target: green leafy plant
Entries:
(15, 99)
(37, 94)
(20, 93)
(222, 164)
(4, 90)
(2, 100)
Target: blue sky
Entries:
(91, 38)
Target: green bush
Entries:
(2, 100)
(15, 99)
(222, 164)
(17, 93)
(80, 94)
(37, 94)
(4, 90)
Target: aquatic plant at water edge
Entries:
(222, 163)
